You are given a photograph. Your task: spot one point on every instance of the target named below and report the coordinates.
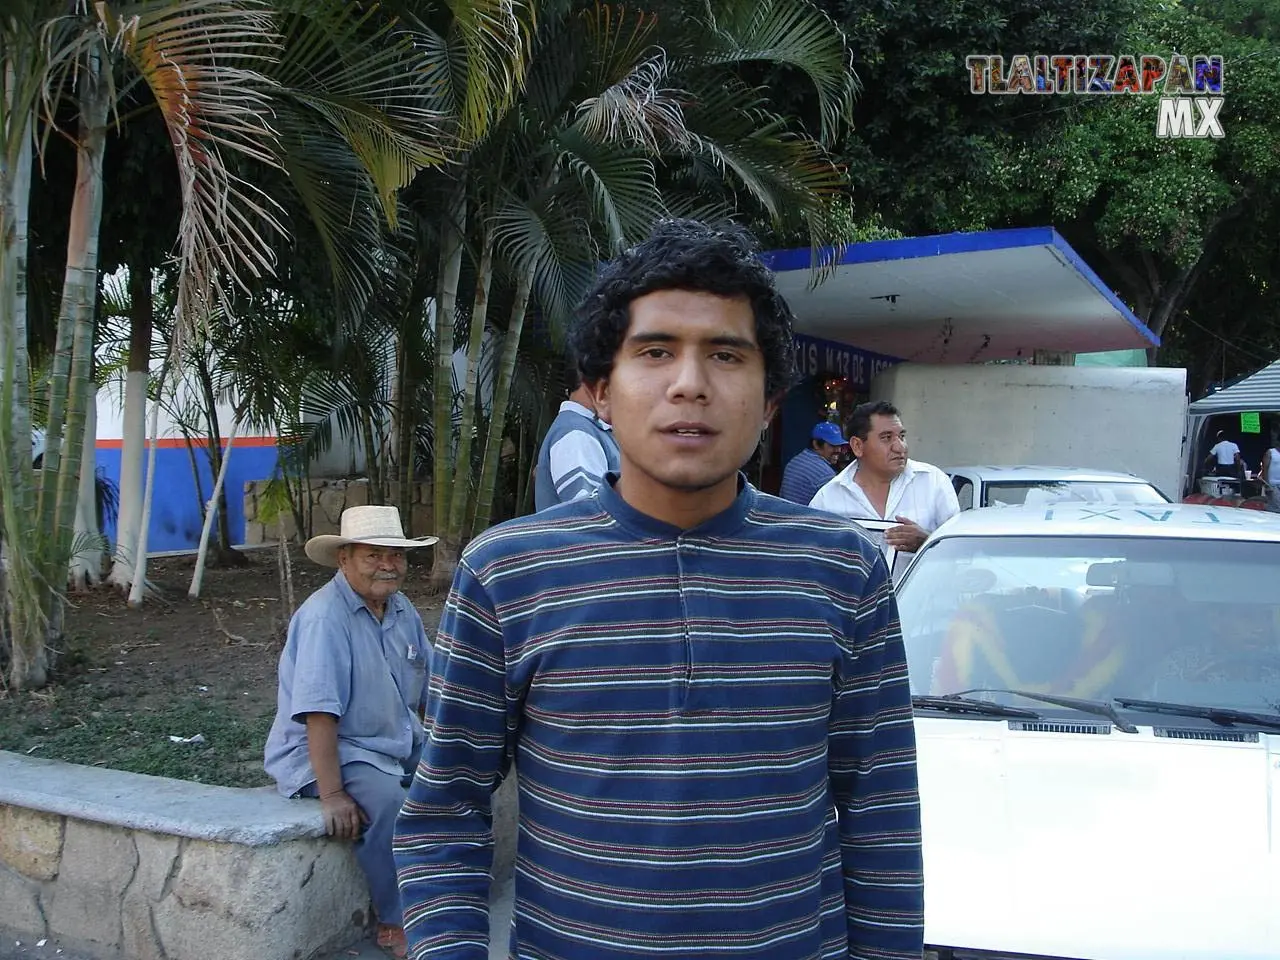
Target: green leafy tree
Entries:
(1153, 215)
(922, 150)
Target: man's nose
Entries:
(688, 379)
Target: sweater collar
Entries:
(723, 524)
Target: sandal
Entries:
(392, 939)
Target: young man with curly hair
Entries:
(703, 687)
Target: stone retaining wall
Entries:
(178, 870)
(149, 868)
(328, 499)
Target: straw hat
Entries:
(376, 526)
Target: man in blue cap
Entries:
(810, 469)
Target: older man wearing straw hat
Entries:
(352, 684)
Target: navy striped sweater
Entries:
(713, 734)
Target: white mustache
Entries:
(386, 576)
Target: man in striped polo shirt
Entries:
(813, 467)
(702, 687)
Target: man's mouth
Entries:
(684, 429)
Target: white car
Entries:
(1097, 698)
(991, 486)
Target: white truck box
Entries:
(1130, 419)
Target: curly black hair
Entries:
(690, 255)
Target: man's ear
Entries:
(770, 409)
(855, 447)
(599, 390)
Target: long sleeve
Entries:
(444, 835)
(872, 756)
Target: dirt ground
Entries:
(204, 671)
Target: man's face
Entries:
(686, 396)
(374, 573)
(884, 451)
(829, 452)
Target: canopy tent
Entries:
(1256, 392)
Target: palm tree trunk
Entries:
(372, 467)
(453, 530)
(140, 561)
(141, 321)
(86, 564)
(23, 590)
(501, 395)
(525, 505)
(79, 297)
(451, 243)
(15, 198)
(216, 503)
(407, 383)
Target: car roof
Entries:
(988, 473)
(1188, 521)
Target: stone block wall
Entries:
(152, 896)
(328, 499)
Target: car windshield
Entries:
(1011, 493)
(1187, 621)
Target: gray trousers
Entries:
(380, 795)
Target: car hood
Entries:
(1099, 846)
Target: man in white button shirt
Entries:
(882, 484)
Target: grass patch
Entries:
(102, 726)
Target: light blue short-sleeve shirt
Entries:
(339, 659)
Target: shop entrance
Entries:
(836, 378)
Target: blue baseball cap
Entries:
(828, 432)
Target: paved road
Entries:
(17, 946)
(14, 946)
(499, 927)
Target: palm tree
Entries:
(357, 114)
(189, 54)
(22, 64)
(627, 115)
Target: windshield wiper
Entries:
(1098, 707)
(1224, 716)
(958, 704)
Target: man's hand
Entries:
(909, 537)
(342, 815)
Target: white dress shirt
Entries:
(922, 493)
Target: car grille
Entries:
(1057, 726)
(1220, 736)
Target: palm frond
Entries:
(620, 185)
(362, 78)
(201, 59)
(545, 236)
(634, 107)
(786, 33)
(479, 65)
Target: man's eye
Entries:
(725, 357)
(656, 353)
